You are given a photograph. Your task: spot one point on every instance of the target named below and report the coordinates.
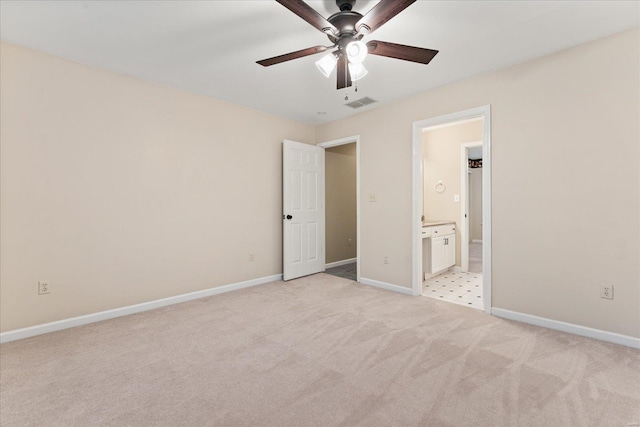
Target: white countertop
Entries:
(434, 223)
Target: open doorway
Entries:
(471, 204)
(446, 223)
(342, 231)
(441, 202)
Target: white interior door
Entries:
(303, 209)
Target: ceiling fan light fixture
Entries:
(345, 30)
(326, 64)
(356, 52)
(357, 71)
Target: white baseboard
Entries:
(72, 322)
(340, 263)
(571, 328)
(476, 241)
(387, 286)
(455, 269)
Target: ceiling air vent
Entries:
(360, 102)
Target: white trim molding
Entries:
(72, 322)
(340, 263)
(340, 141)
(570, 328)
(387, 286)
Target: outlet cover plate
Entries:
(606, 292)
(44, 287)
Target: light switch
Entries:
(456, 198)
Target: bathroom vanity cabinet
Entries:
(438, 247)
(443, 252)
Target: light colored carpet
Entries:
(317, 351)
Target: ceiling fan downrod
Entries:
(345, 4)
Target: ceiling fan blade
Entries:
(307, 13)
(380, 14)
(400, 51)
(344, 77)
(292, 55)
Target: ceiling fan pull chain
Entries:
(346, 77)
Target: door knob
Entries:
(289, 217)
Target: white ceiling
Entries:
(210, 47)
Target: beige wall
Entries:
(121, 191)
(340, 202)
(565, 181)
(441, 153)
(475, 204)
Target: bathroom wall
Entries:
(441, 160)
(340, 202)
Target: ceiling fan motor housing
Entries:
(345, 22)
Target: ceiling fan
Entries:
(345, 30)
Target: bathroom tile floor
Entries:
(458, 288)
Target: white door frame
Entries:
(417, 196)
(343, 141)
(464, 203)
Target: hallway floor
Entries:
(475, 257)
(347, 271)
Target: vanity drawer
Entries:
(426, 232)
(443, 230)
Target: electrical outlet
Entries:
(348, 242)
(372, 198)
(386, 260)
(251, 257)
(44, 287)
(606, 292)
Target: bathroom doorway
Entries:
(448, 188)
